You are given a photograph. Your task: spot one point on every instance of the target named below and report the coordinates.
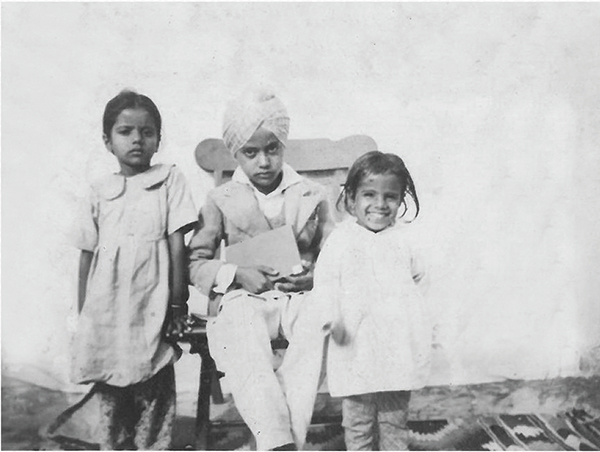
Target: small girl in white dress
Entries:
(132, 285)
(366, 277)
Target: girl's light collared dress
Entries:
(126, 224)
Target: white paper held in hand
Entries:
(276, 248)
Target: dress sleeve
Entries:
(85, 235)
(326, 283)
(181, 212)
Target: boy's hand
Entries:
(255, 279)
(297, 283)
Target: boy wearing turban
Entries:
(264, 193)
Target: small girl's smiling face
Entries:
(377, 200)
(133, 140)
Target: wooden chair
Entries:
(322, 160)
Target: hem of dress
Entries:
(104, 380)
(384, 389)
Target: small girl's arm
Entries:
(327, 291)
(421, 276)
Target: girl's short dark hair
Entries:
(378, 163)
(129, 99)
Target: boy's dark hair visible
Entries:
(129, 99)
(378, 163)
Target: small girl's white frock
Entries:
(126, 224)
(368, 281)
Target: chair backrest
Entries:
(321, 159)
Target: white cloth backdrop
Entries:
(495, 108)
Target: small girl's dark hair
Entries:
(129, 99)
(378, 163)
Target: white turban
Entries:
(254, 109)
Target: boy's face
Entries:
(261, 158)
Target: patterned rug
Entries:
(569, 429)
(575, 430)
(28, 409)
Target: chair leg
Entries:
(203, 409)
(216, 391)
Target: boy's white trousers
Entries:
(277, 405)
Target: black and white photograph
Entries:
(300, 226)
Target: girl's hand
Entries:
(337, 332)
(255, 279)
(176, 321)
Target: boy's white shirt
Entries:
(270, 205)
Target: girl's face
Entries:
(261, 158)
(377, 200)
(133, 140)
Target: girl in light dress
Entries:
(132, 285)
(367, 278)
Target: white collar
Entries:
(113, 185)
(290, 177)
